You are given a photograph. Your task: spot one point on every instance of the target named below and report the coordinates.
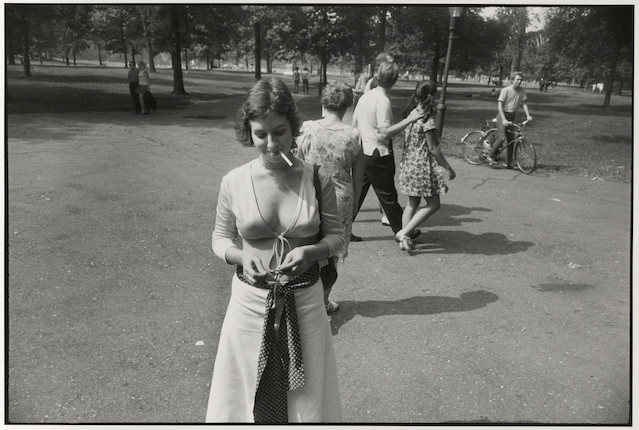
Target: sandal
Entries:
(331, 306)
(413, 235)
(406, 244)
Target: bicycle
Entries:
(477, 145)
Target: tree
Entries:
(75, 21)
(570, 31)
(176, 61)
(150, 22)
(24, 24)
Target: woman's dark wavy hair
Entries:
(337, 96)
(424, 92)
(267, 95)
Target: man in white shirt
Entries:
(373, 117)
(507, 105)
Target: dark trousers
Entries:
(380, 173)
(503, 135)
(135, 96)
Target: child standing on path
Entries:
(420, 171)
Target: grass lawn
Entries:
(571, 132)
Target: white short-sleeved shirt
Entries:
(512, 98)
(373, 111)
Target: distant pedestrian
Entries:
(305, 80)
(360, 83)
(542, 85)
(144, 85)
(420, 171)
(600, 87)
(296, 80)
(334, 145)
(383, 56)
(133, 86)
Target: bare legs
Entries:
(145, 108)
(413, 216)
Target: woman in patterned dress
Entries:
(420, 172)
(334, 145)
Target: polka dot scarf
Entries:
(280, 367)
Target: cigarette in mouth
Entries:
(286, 159)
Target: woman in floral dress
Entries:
(420, 171)
(334, 145)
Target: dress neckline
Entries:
(300, 193)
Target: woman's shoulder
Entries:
(237, 174)
(309, 124)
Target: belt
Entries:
(280, 367)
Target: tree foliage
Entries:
(570, 33)
(352, 35)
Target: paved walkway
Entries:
(514, 307)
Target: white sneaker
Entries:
(385, 220)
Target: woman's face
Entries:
(272, 134)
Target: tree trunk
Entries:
(186, 58)
(620, 86)
(382, 28)
(359, 51)
(258, 51)
(74, 62)
(612, 71)
(521, 39)
(10, 56)
(26, 41)
(176, 61)
(147, 40)
(151, 53)
(99, 55)
(501, 75)
(122, 40)
(434, 71)
(269, 64)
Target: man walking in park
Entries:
(133, 85)
(373, 117)
(507, 105)
(305, 80)
(296, 80)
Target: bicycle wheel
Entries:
(525, 155)
(476, 144)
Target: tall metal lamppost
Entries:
(455, 12)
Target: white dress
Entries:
(233, 385)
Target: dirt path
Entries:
(514, 308)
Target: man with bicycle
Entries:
(508, 103)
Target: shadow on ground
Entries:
(447, 216)
(420, 305)
(461, 242)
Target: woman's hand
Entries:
(296, 262)
(415, 114)
(254, 270)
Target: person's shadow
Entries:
(419, 305)
(463, 242)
